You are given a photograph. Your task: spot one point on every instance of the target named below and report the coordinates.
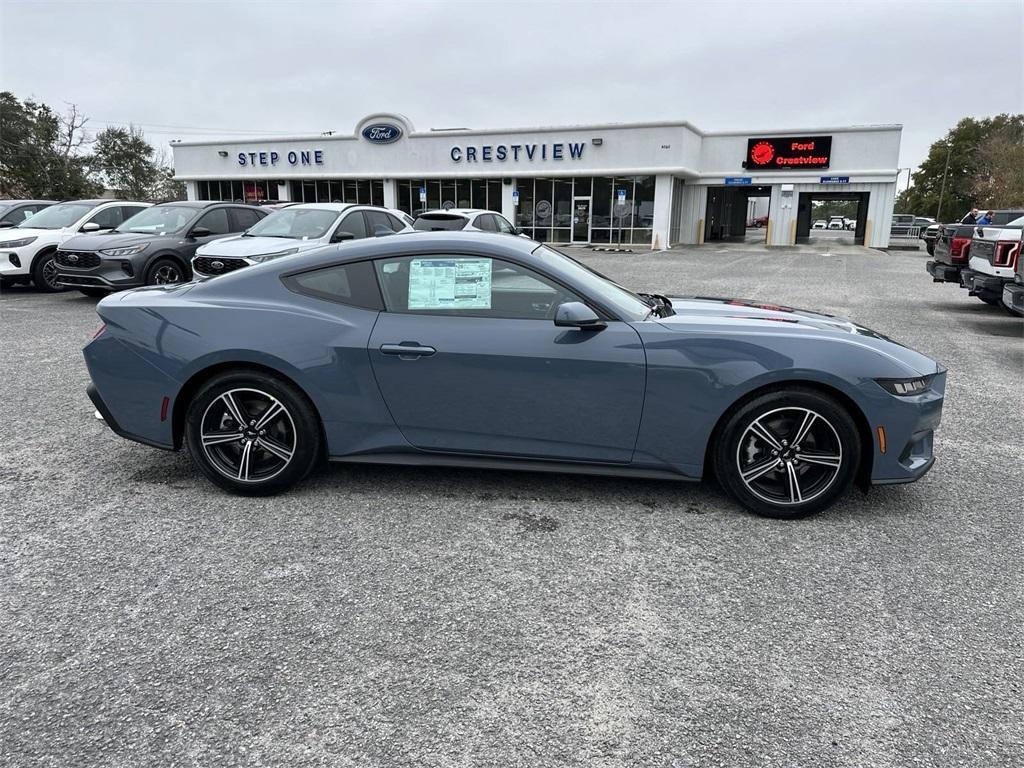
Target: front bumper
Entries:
(112, 274)
(981, 285)
(14, 264)
(1013, 297)
(909, 424)
(943, 273)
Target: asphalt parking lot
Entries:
(426, 617)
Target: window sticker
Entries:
(450, 284)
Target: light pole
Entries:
(942, 191)
(901, 170)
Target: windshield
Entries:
(625, 303)
(295, 223)
(1016, 223)
(57, 216)
(159, 219)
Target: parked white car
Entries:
(836, 222)
(297, 228)
(819, 224)
(464, 219)
(27, 251)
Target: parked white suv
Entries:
(27, 251)
(464, 219)
(297, 228)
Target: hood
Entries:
(17, 233)
(745, 316)
(93, 242)
(241, 247)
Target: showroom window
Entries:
(545, 211)
(237, 191)
(361, 191)
(449, 193)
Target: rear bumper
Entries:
(1013, 297)
(943, 273)
(110, 421)
(981, 285)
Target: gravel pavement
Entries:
(425, 617)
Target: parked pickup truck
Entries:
(1013, 293)
(952, 248)
(993, 257)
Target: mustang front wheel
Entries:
(788, 454)
(251, 433)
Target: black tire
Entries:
(294, 432)
(165, 271)
(44, 273)
(95, 293)
(823, 471)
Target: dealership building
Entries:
(652, 185)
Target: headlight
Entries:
(904, 387)
(268, 256)
(18, 243)
(128, 250)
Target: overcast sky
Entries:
(186, 70)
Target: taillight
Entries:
(958, 247)
(101, 330)
(1005, 254)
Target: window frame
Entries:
(211, 212)
(233, 221)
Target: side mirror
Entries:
(92, 226)
(200, 232)
(575, 314)
(340, 236)
(6, 224)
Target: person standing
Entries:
(985, 219)
(971, 217)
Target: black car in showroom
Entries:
(153, 247)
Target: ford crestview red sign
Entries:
(789, 152)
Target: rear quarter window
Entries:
(354, 284)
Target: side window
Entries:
(378, 223)
(108, 218)
(353, 284)
(503, 225)
(216, 221)
(353, 223)
(396, 223)
(243, 218)
(486, 222)
(475, 286)
(127, 211)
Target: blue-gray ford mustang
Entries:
(488, 350)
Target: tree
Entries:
(41, 152)
(125, 160)
(974, 164)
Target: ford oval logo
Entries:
(72, 258)
(217, 264)
(382, 133)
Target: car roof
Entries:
(454, 211)
(24, 202)
(335, 207)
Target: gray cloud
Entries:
(183, 69)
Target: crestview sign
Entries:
(788, 152)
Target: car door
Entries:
(469, 360)
(216, 223)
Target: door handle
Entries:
(407, 350)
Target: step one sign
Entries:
(835, 179)
(733, 180)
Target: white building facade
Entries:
(652, 185)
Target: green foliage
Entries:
(985, 170)
(124, 157)
(39, 152)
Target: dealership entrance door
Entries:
(737, 214)
(832, 217)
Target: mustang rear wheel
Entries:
(788, 454)
(252, 433)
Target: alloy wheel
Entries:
(50, 273)
(166, 274)
(789, 456)
(248, 435)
